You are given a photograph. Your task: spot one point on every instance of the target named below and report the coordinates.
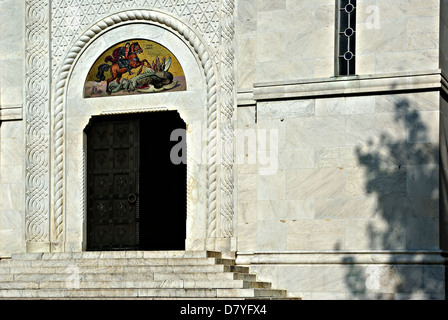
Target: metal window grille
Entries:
(346, 37)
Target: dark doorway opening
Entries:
(136, 193)
(163, 184)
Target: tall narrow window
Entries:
(346, 38)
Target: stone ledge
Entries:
(431, 79)
(11, 113)
(341, 257)
(245, 98)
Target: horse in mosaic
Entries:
(123, 60)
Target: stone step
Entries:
(81, 262)
(199, 276)
(145, 284)
(124, 269)
(205, 276)
(188, 276)
(142, 293)
(130, 275)
(115, 255)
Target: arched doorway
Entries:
(197, 106)
(136, 190)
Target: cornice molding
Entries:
(341, 257)
(366, 84)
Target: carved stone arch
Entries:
(204, 56)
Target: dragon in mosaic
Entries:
(151, 77)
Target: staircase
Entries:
(130, 275)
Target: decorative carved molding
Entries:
(75, 17)
(227, 112)
(37, 118)
(129, 111)
(205, 57)
(83, 179)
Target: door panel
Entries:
(113, 170)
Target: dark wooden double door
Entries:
(136, 194)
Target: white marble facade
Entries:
(334, 188)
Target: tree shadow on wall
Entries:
(401, 171)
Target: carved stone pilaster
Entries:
(37, 117)
(227, 99)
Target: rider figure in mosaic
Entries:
(120, 56)
(123, 61)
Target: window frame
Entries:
(345, 44)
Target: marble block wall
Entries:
(353, 173)
(443, 37)
(348, 177)
(443, 172)
(12, 191)
(287, 40)
(343, 202)
(12, 66)
(12, 146)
